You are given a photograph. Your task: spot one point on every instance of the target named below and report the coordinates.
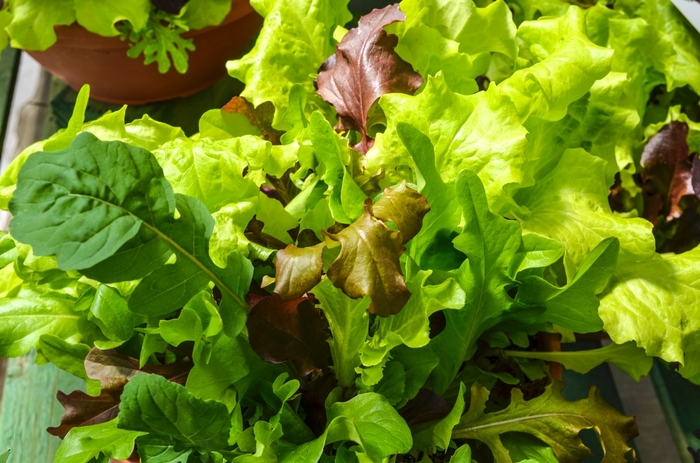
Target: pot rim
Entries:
(76, 36)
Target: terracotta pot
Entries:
(81, 57)
(550, 342)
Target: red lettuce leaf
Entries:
(365, 67)
(289, 331)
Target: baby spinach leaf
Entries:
(152, 404)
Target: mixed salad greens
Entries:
(351, 262)
(154, 27)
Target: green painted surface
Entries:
(29, 406)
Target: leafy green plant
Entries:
(154, 27)
(388, 217)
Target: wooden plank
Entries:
(9, 65)
(29, 406)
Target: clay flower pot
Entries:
(80, 57)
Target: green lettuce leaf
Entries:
(665, 325)
(463, 138)
(368, 420)
(202, 13)
(33, 22)
(548, 205)
(101, 16)
(305, 28)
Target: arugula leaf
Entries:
(438, 434)
(491, 242)
(121, 190)
(152, 404)
(68, 357)
(160, 41)
(111, 313)
(83, 444)
(627, 357)
(551, 419)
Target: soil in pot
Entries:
(80, 57)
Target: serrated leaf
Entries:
(553, 420)
(348, 321)
(364, 67)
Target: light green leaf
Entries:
(665, 325)
(464, 23)
(462, 455)
(462, 134)
(562, 71)
(305, 28)
(31, 313)
(33, 22)
(349, 321)
(100, 16)
(524, 448)
(627, 357)
(548, 207)
(84, 443)
(211, 171)
(202, 13)
(5, 456)
(368, 420)
(346, 198)
(152, 404)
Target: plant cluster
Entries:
(353, 261)
(154, 27)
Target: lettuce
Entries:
(353, 260)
